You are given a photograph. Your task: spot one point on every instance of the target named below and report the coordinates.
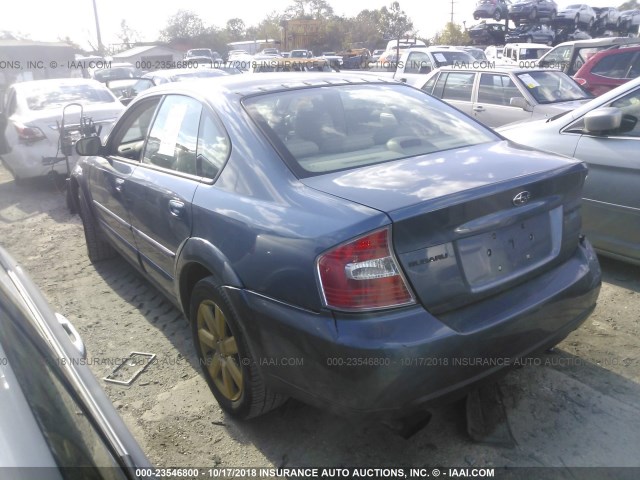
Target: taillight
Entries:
(27, 134)
(363, 275)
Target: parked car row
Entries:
(578, 14)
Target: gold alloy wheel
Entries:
(219, 350)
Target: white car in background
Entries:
(416, 63)
(30, 118)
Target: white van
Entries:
(523, 55)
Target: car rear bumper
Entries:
(388, 364)
(26, 161)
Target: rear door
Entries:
(162, 187)
(493, 102)
(456, 88)
(109, 176)
(611, 208)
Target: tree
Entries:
(127, 35)
(396, 21)
(453, 34)
(184, 25)
(309, 10)
(236, 28)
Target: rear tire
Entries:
(223, 352)
(98, 248)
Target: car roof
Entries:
(498, 69)
(55, 82)
(177, 71)
(529, 45)
(243, 85)
(597, 42)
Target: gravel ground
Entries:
(578, 407)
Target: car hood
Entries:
(402, 183)
(567, 10)
(551, 109)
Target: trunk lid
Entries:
(469, 223)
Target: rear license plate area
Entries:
(499, 254)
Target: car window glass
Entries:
(614, 66)
(428, 87)
(13, 104)
(497, 89)
(552, 86)
(582, 55)
(322, 130)
(66, 425)
(213, 147)
(458, 86)
(630, 106)
(418, 62)
(130, 133)
(174, 135)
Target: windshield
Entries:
(45, 98)
(552, 87)
(322, 130)
(447, 57)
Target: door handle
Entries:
(176, 207)
(479, 108)
(119, 183)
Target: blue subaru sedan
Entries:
(344, 240)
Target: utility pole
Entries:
(95, 14)
(452, 2)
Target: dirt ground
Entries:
(579, 407)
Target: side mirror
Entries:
(603, 120)
(520, 102)
(89, 146)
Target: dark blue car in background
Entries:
(341, 239)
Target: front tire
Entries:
(223, 352)
(98, 248)
(497, 15)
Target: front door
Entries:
(109, 178)
(611, 207)
(163, 186)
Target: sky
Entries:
(44, 20)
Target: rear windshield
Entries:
(114, 73)
(326, 129)
(58, 96)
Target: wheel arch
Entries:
(199, 259)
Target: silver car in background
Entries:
(605, 133)
(499, 96)
(55, 420)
